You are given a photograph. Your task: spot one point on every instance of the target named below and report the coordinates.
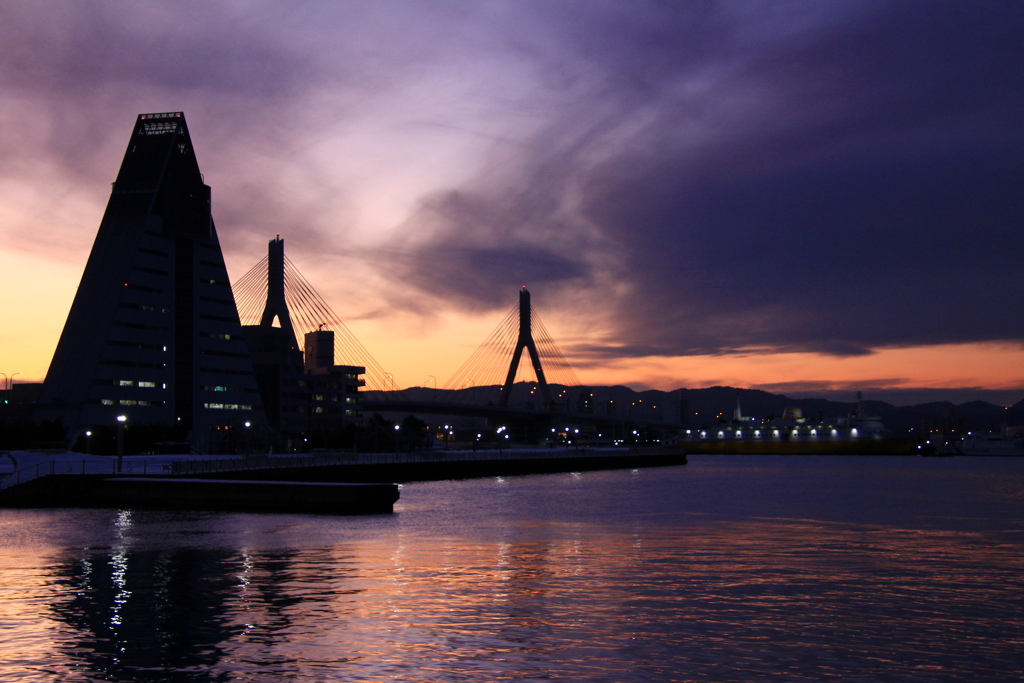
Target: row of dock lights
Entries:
(775, 433)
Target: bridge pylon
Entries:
(525, 341)
(276, 307)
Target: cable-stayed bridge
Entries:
(518, 373)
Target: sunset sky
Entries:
(812, 198)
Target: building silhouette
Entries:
(302, 389)
(153, 333)
(334, 394)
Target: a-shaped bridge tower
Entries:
(276, 308)
(491, 371)
(525, 341)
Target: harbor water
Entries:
(756, 568)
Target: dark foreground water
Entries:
(728, 569)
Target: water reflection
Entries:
(191, 613)
(137, 615)
(598, 578)
(727, 601)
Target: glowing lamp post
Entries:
(121, 419)
(248, 450)
(397, 427)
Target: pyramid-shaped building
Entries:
(153, 333)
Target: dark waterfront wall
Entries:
(330, 484)
(432, 467)
(165, 493)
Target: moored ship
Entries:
(855, 434)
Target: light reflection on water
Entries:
(746, 569)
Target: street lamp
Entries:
(397, 427)
(88, 450)
(10, 386)
(121, 419)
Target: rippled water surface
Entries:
(727, 569)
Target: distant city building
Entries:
(585, 401)
(22, 393)
(947, 428)
(153, 333)
(684, 411)
(278, 367)
(333, 389)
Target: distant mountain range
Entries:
(706, 406)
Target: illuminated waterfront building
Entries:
(153, 332)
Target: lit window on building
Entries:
(227, 406)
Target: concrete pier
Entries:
(429, 465)
(333, 483)
(164, 493)
(468, 467)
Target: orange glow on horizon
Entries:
(40, 292)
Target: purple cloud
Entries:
(696, 177)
